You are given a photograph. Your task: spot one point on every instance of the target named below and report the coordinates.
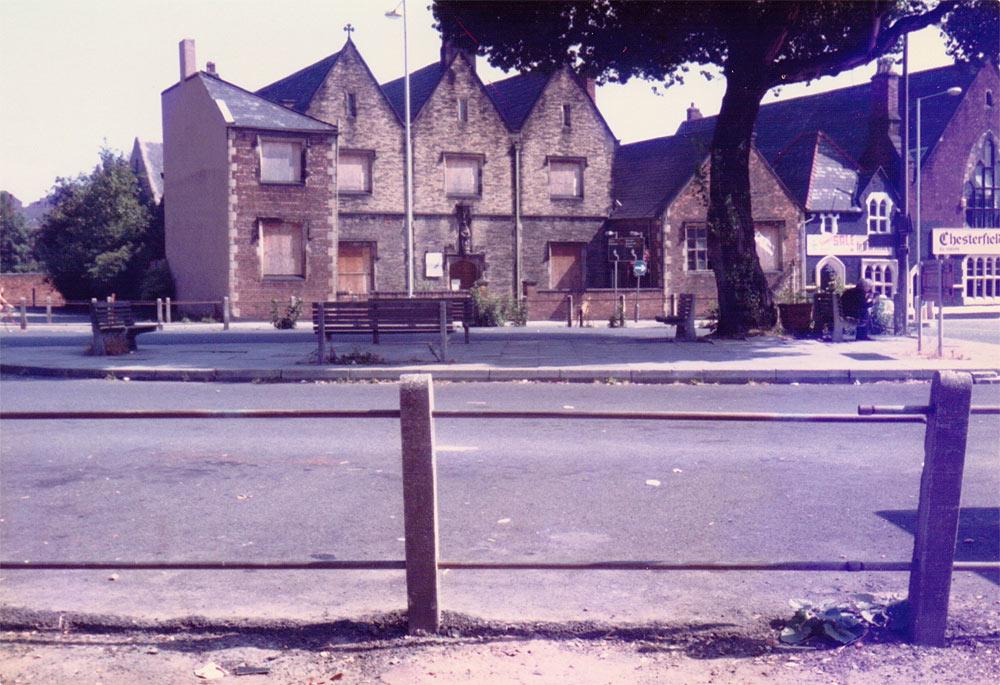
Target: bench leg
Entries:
(98, 344)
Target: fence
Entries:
(163, 308)
(946, 418)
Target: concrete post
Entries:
(416, 407)
(443, 308)
(621, 311)
(569, 311)
(48, 309)
(159, 313)
(938, 508)
(168, 313)
(98, 344)
(24, 313)
(226, 315)
(321, 332)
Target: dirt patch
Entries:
(54, 648)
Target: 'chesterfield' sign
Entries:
(965, 241)
(845, 245)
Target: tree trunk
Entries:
(745, 301)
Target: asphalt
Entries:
(541, 351)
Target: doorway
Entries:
(465, 272)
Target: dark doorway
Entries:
(463, 271)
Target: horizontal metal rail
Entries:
(916, 409)
(750, 417)
(398, 565)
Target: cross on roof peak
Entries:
(349, 28)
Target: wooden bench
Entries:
(683, 318)
(385, 316)
(827, 315)
(115, 321)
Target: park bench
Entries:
(683, 318)
(827, 315)
(386, 316)
(114, 322)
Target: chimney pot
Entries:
(188, 60)
(210, 68)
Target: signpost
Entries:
(630, 248)
(639, 269)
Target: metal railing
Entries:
(946, 420)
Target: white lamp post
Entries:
(920, 234)
(395, 12)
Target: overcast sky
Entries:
(75, 74)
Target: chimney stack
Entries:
(188, 62)
(210, 68)
(693, 113)
(884, 112)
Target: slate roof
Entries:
(253, 111)
(516, 96)
(300, 87)
(152, 160)
(843, 114)
(422, 84)
(818, 174)
(648, 175)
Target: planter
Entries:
(796, 318)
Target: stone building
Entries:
(251, 212)
(840, 153)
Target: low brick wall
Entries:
(552, 305)
(32, 286)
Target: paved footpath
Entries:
(542, 351)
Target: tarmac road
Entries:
(509, 490)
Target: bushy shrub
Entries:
(157, 281)
(497, 310)
(285, 316)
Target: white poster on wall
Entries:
(433, 265)
(844, 245)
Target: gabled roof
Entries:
(300, 87)
(246, 110)
(818, 174)
(151, 155)
(649, 174)
(422, 84)
(842, 114)
(516, 96)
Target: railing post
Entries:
(416, 407)
(225, 313)
(569, 311)
(159, 313)
(168, 313)
(24, 313)
(443, 308)
(939, 506)
(621, 311)
(98, 344)
(48, 309)
(321, 332)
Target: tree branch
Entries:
(875, 43)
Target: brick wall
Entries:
(552, 305)
(34, 287)
(311, 204)
(771, 204)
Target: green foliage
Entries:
(157, 281)
(840, 623)
(356, 358)
(973, 31)
(99, 237)
(17, 248)
(881, 317)
(285, 316)
(497, 310)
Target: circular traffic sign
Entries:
(639, 268)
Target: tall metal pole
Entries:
(409, 159)
(918, 284)
(902, 323)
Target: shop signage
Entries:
(844, 245)
(965, 241)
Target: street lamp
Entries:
(955, 90)
(395, 13)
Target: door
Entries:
(463, 271)
(354, 268)
(566, 266)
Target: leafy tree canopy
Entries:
(100, 237)
(758, 46)
(17, 249)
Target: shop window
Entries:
(281, 161)
(282, 249)
(696, 248)
(354, 171)
(566, 265)
(565, 178)
(981, 278)
(463, 175)
(355, 268)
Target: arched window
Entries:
(879, 210)
(882, 274)
(982, 203)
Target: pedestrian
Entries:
(6, 311)
(856, 303)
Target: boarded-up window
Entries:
(566, 266)
(354, 172)
(354, 268)
(565, 178)
(461, 175)
(282, 249)
(768, 239)
(280, 162)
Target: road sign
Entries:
(639, 268)
(626, 248)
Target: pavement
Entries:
(542, 351)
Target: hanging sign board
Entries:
(930, 271)
(433, 265)
(965, 241)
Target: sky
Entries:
(79, 74)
